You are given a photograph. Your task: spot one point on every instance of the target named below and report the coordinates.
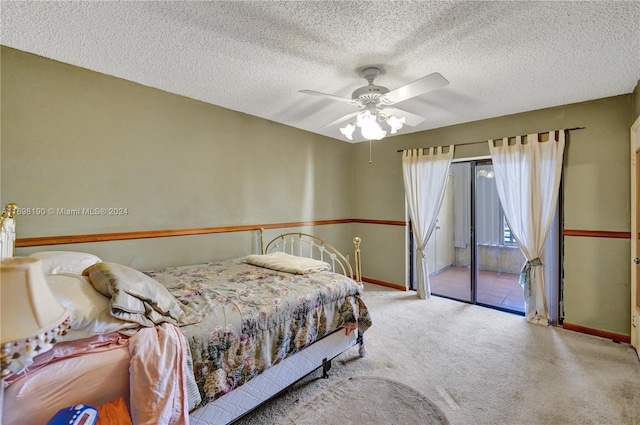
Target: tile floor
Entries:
(494, 289)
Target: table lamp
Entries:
(32, 319)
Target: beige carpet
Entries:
(480, 367)
(367, 400)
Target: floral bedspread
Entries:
(255, 317)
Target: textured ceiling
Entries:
(500, 57)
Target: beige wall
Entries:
(72, 138)
(596, 197)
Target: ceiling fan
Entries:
(374, 103)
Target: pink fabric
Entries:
(91, 379)
(158, 376)
(64, 350)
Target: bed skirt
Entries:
(245, 398)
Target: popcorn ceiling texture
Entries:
(499, 57)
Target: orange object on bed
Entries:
(113, 413)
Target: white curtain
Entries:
(461, 210)
(425, 179)
(528, 178)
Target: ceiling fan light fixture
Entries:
(395, 123)
(373, 100)
(348, 130)
(488, 174)
(369, 126)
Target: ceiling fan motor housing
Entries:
(371, 90)
(368, 94)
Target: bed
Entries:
(251, 326)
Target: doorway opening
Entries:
(472, 255)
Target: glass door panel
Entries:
(498, 258)
(449, 248)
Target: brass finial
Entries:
(9, 211)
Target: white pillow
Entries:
(89, 310)
(55, 262)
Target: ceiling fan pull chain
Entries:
(370, 160)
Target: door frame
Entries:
(635, 240)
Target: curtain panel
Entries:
(425, 173)
(528, 179)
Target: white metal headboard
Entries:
(309, 246)
(8, 231)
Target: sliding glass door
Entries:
(472, 255)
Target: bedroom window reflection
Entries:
(508, 240)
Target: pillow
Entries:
(89, 311)
(283, 262)
(136, 297)
(55, 262)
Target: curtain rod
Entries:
(485, 141)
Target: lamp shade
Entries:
(28, 305)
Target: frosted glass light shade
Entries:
(395, 123)
(369, 126)
(348, 130)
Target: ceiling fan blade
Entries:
(328, 96)
(410, 119)
(341, 119)
(415, 88)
